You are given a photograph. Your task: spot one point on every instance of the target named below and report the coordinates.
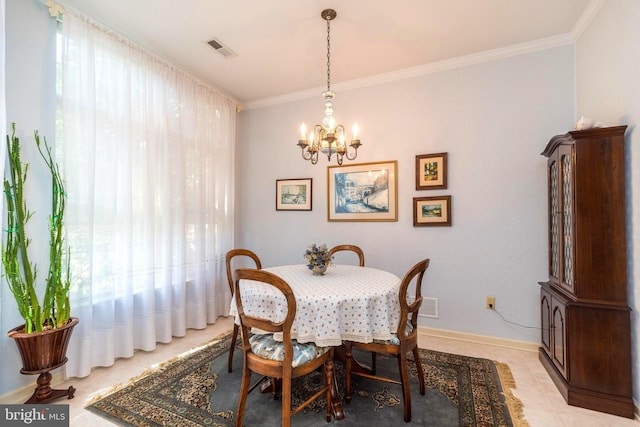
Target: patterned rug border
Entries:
(508, 383)
(502, 370)
(153, 369)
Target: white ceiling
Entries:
(281, 44)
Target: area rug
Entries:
(195, 389)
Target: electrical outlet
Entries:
(491, 303)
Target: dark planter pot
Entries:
(42, 352)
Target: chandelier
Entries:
(328, 138)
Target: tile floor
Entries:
(543, 404)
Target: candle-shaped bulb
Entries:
(355, 130)
(332, 124)
(303, 131)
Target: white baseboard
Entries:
(479, 339)
(23, 393)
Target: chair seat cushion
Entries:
(394, 337)
(266, 347)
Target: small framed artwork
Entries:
(363, 192)
(431, 171)
(293, 194)
(431, 211)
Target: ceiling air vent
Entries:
(221, 49)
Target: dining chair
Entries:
(352, 248)
(285, 359)
(404, 340)
(234, 253)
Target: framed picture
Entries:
(431, 211)
(293, 194)
(431, 171)
(363, 192)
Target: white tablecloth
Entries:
(346, 303)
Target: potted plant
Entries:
(42, 340)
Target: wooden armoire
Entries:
(586, 321)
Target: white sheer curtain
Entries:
(4, 291)
(147, 157)
(3, 101)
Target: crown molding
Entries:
(585, 19)
(435, 67)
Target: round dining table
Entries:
(347, 302)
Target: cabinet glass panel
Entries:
(554, 261)
(567, 221)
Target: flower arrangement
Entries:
(317, 256)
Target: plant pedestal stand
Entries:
(45, 394)
(41, 353)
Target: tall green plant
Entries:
(19, 271)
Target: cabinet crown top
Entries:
(575, 135)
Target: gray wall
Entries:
(31, 102)
(608, 90)
(493, 119)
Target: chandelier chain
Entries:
(328, 54)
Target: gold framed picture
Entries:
(363, 192)
(431, 171)
(431, 211)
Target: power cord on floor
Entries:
(516, 323)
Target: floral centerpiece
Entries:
(318, 258)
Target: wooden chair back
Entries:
(352, 248)
(233, 253)
(247, 322)
(283, 369)
(409, 311)
(236, 253)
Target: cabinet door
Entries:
(560, 170)
(555, 218)
(567, 221)
(559, 335)
(545, 316)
